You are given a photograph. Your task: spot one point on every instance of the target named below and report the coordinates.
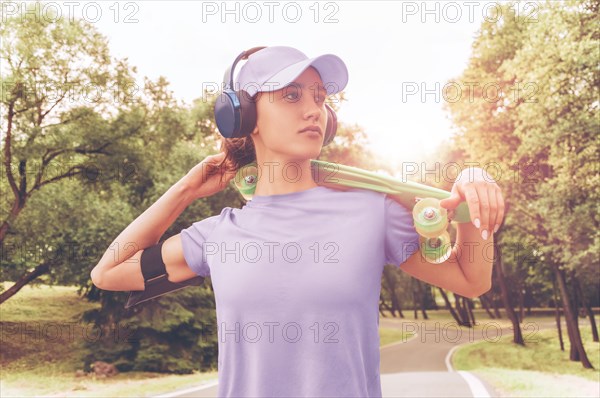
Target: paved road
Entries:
(419, 366)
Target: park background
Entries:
(103, 109)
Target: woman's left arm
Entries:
(468, 270)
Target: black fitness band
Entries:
(152, 263)
(156, 281)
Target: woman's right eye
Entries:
(291, 96)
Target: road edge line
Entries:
(187, 390)
(477, 388)
(475, 385)
(399, 342)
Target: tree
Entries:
(59, 88)
(543, 127)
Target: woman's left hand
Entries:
(483, 196)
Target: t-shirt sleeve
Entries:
(401, 237)
(193, 239)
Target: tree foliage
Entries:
(539, 128)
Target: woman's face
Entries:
(283, 114)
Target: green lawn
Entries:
(41, 350)
(539, 369)
(389, 336)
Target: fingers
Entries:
(484, 210)
(500, 213)
(486, 206)
(478, 200)
(216, 157)
(472, 200)
(493, 208)
(451, 202)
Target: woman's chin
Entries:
(309, 153)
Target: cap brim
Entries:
(331, 68)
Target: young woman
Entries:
(297, 270)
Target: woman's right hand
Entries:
(207, 178)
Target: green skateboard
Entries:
(430, 219)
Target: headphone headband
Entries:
(235, 114)
(228, 76)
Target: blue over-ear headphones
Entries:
(235, 111)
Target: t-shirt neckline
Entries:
(260, 199)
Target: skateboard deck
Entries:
(430, 219)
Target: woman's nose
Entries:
(311, 108)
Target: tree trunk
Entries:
(461, 310)
(521, 303)
(383, 305)
(430, 292)
(400, 309)
(528, 300)
(470, 311)
(449, 305)
(575, 353)
(486, 307)
(572, 321)
(415, 298)
(588, 309)
(20, 192)
(25, 279)
(517, 334)
(421, 299)
(557, 314)
(389, 281)
(496, 307)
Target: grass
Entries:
(42, 348)
(444, 319)
(389, 336)
(40, 328)
(44, 304)
(36, 360)
(539, 369)
(37, 383)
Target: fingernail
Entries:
(476, 223)
(484, 234)
(496, 228)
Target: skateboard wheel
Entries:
(436, 250)
(245, 180)
(431, 220)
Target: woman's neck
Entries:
(278, 177)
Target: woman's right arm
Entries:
(119, 269)
(128, 276)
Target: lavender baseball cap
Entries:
(273, 68)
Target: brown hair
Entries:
(238, 152)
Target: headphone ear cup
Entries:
(331, 128)
(248, 113)
(235, 113)
(227, 114)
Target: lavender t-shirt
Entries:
(297, 279)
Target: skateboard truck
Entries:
(430, 214)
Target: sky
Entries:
(395, 51)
